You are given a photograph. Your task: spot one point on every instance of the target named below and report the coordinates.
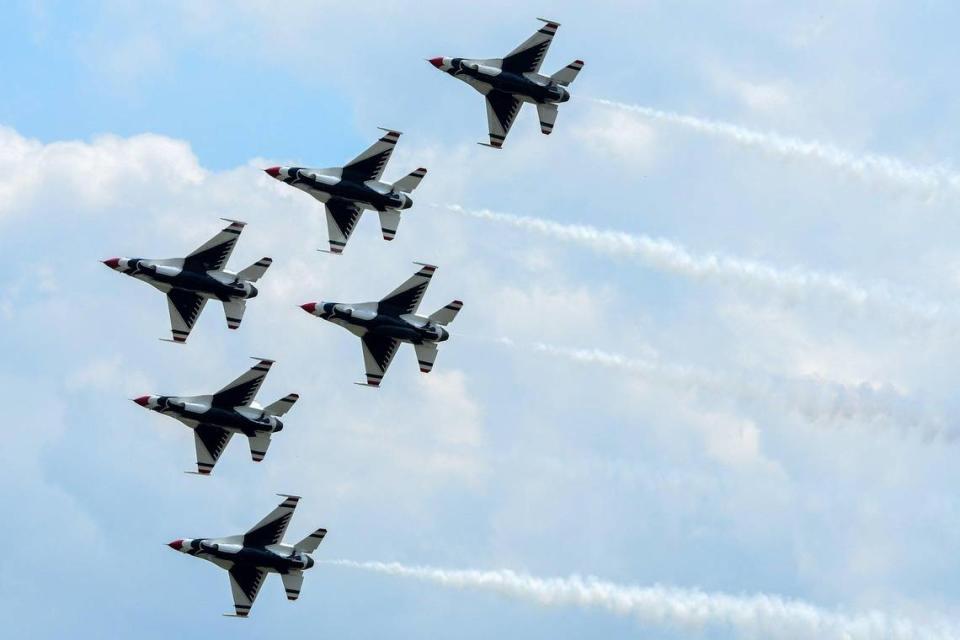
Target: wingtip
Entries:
(287, 495)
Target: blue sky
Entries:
(723, 410)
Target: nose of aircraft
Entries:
(273, 172)
(310, 307)
(113, 263)
(175, 545)
(437, 62)
(142, 400)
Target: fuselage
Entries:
(529, 87)
(167, 275)
(366, 318)
(330, 184)
(195, 410)
(228, 552)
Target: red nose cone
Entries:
(273, 172)
(142, 400)
(437, 62)
(176, 544)
(113, 263)
(310, 307)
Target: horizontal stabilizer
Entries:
(292, 582)
(311, 542)
(282, 405)
(259, 444)
(410, 182)
(548, 116)
(426, 355)
(568, 74)
(389, 221)
(234, 310)
(447, 313)
(255, 271)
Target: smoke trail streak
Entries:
(816, 400)
(933, 179)
(671, 257)
(754, 616)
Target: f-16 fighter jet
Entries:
(514, 79)
(189, 282)
(215, 418)
(346, 191)
(383, 325)
(251, 556)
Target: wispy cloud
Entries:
(815, 399)
(764, 616)
(666, 255)
(934, 180)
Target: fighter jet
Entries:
(189, 282)
(514, 79)
(346, 191)
(383, 325)
(251, 556)
(215, 418)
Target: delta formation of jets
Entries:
(382, 325)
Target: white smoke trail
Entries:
(935, 180)
(816, 400)
(671, 257)
(753, 616)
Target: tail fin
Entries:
(568, 74)
(255, 271)
(410, 182)
(311, 542)
(282, 405)
(447, 313)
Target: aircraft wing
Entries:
(210, 442)
(406, 298)
(370, 164)
(214, 253)
(241, 391)
(528, 57)
(245, 582)
(270, 530)
(502, 110)
(184, 308)
(378, 352)
(342, 217)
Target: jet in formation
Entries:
(215, 418)
(249, 557)
(346, 191)
(383, 325)
(189, 282)
(510, 81)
